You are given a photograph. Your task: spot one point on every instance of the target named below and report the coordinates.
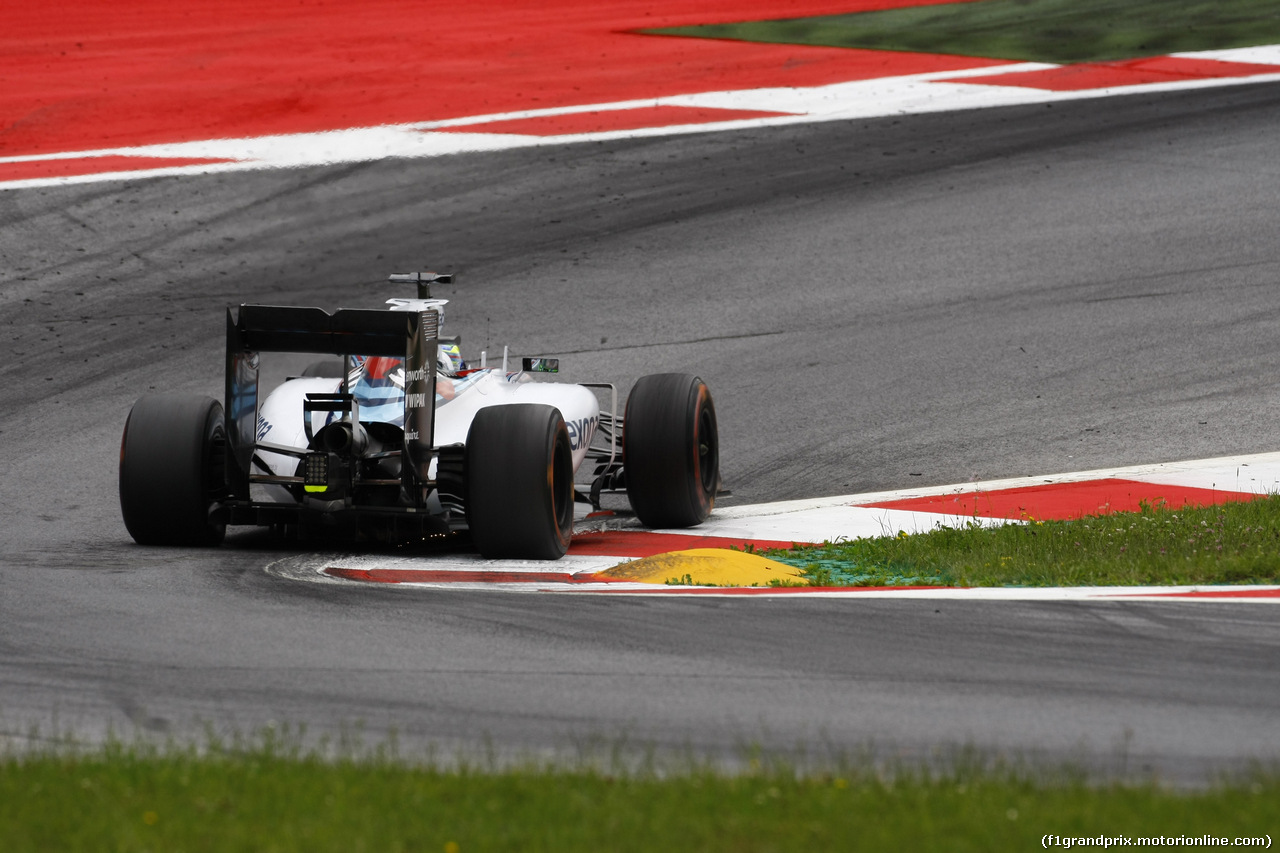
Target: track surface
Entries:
(875, 304)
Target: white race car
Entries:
(400, 440)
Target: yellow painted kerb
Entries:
(706, 567)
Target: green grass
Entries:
(143, 798)
(1237, 543)
(1057, 31)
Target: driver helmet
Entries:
(449, 358)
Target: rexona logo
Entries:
(581, 431)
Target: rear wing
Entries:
(271, 328)
(411, 335)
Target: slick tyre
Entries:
(519, 472)
(671, 450)
(173, 470)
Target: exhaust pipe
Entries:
(345, 439)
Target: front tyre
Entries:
(671, 450)
(519, 471)
(173, 470)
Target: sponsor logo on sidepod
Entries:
(580, 432)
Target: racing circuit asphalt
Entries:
(875, 304)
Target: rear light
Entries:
(315, 476)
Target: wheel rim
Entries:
(215, 487)
(561, 483)
(706, 448)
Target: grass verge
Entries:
(1057, 31)
(268, 799)
(1236, 543)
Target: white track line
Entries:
(936, 91)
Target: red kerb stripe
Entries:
(641, 543)
(599, 121)
(452, 576)
(1207, 593)
(1060, 501)
(1135, 72)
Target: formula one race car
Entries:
(400, 441)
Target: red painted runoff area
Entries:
(598, 121)
(81, 75)
(1136, 72)
(68, 167)
(1061, 501)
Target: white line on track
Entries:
(887, 96)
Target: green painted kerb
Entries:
(1057, 31)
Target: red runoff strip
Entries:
(1159, 69)
(1062, 501)
(84, 75)
(461, 576)
(70, 167)
(598, 121)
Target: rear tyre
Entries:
(173, 470)
(519, 471)
(671, 450)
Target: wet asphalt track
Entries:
(875, 304)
